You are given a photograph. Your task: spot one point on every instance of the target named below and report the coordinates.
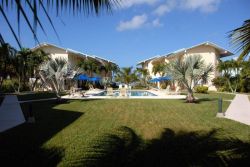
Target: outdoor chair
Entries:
(91, 87)
(110, 92)
(120, 86)
(123, 92)
(126, 86)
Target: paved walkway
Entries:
(239, 109)
(11, 113)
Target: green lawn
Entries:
(127, 133)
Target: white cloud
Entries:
(130, 3)
(165, 7)
(135, 23)
(205, 6)
(157, 23)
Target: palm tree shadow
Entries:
(23, 145)
(200, 100)
(171, 149)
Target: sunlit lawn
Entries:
(128, 133)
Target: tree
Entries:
(109, 70)
(53, 73)
(245, 76)
(24, 8)
(7, 54)
(126, 75)
(230, 70)
(35, 60)
(143, 75)
(159, 67)
(189, 72)
(240, 38)
(91, 66)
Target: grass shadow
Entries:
(125, 148)
(23, 145)
(200, 100)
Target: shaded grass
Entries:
(35, 96)
(127, 133)
(1, 99)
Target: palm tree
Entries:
(159, 67)
(22, 66)
(37, 8)
(35, 60)
(126, 75)
(230, 70)
(240, 38)
(7, 54)
(143, 74)
(188, 72)
(109, 69)
(90, 66)
(53, 73)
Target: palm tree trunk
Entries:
(190, 96)
(34, 84)
(19, 84)
(229, 84)
(56, 90)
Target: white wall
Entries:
(210, 56)
(55, 52)
(208, 53)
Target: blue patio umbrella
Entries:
(82, 77)
(165, 78)
(154, 80)
(94, 79)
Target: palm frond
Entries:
(240, 39)
(85, 7)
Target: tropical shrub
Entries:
(53, 73)
(201, 89)
(10, 86)
(219, 82)
(189, 72)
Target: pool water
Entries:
(130, 93)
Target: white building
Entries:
(72, 57)
(210, 52)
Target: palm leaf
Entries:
(240, 39)
(10, 27)
(75, 6)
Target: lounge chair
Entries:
(91, 87)
(123, 92)
(110, 92)
(120, 86)
(167, 90)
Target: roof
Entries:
(72, 51)
(223, 52)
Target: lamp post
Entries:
(220, 114)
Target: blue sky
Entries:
(141, 29)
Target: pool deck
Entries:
(159, 95)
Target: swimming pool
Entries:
(129, 93)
